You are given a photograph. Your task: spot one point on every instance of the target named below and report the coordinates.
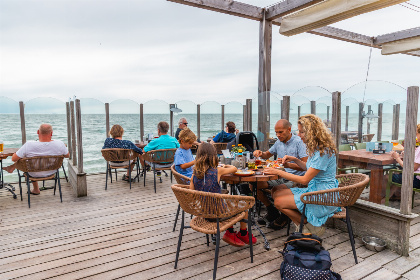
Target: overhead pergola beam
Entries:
(401, 46)
(399, 35)
(255, 13)
(287, 7)
(328, 12)
(226, 7)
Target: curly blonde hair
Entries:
(317, 136)
(187, 136)
(418, 129)
(206, 158)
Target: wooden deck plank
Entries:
(128, 233)
(383, 273)
(413, 274)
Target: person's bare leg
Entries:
(132, 167)
(36, 188)
(261, 196)
(10, 168)
(284, 201)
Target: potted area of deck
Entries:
(127, 234)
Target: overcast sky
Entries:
(154, 49)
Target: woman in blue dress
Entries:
(320, 175)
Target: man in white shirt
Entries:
(44, 147)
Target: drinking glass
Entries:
(1, 147)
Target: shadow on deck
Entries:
(123, 233)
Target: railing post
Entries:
(198, 121)
(79, 137)
(360, 126)
(286, 108)
(223, 117)
(379, 134)
(336, 118)
(313, 107)
(73, 134)
(298, 112)
(171, 119)
(368, 123)
(347, 118)
(249, 114)
(244, 119)
(68, 128)
(22, 121)
(107, 119)
(141, 123)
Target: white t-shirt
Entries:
(417, 160)
(35, 149)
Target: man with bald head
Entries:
(44, 147)
(287, 144)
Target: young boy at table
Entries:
(206, 178)
(183, 157)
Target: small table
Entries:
(6, 153)
(141, 145)
(368, 160)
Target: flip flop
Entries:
(34, 193)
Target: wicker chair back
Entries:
(160, 156)
(37, 164)
(180, 179)
(211, 205)
(350, 187)
(115, 154)
(219, 147)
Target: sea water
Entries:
(94, 130)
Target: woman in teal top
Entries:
(320, 175)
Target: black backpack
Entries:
(305, 258)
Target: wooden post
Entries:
(244, 113)
(347, 118)
(22, 121)
(360, 126)
(264, 82)
(393, 122)
(171, 119)
(73, 134)
(379, 134)
(281, 109)
(298, 112)
(336, 118)
(313, 107)
(141, 123)
(223, 117)
(397, 122)
(328, 113)
(79, 137)
(286, 107)
(368, 123)
(249, 114)
(68, 128)
(263, 119)
(198, 121)
(409, 147)
(107, 119)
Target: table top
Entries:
(368, 157)
(8, 152)
(141, 145)
(253, 178)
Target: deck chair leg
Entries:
(251, 249)
(129, 172)
(288, 226)
(59, 185)
(116, 175)
(106, 179)
(177, 215)
(20, 186)
(55, 183)
(28, 184)
(65, 175)
(350, 230)
(216, 253)
(302, 220)
(110, 171)
(181, 232)
(144, 174)
(208, 240)
(154, 176)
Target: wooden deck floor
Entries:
(127, 234)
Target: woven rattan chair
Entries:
(115, 155)
(350, 187)
(213, 213)
(160, 160)
(389, 183)
(39, 164)
(181, 180)
(219, 147)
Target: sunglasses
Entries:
(185, 123)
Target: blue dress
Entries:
(317, 215)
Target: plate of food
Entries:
(244, 173)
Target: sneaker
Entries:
(245, 238)
(272, 214)
(279, 223)
(158, 173)
(125, 178)
(232, 239)
(309, 228)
